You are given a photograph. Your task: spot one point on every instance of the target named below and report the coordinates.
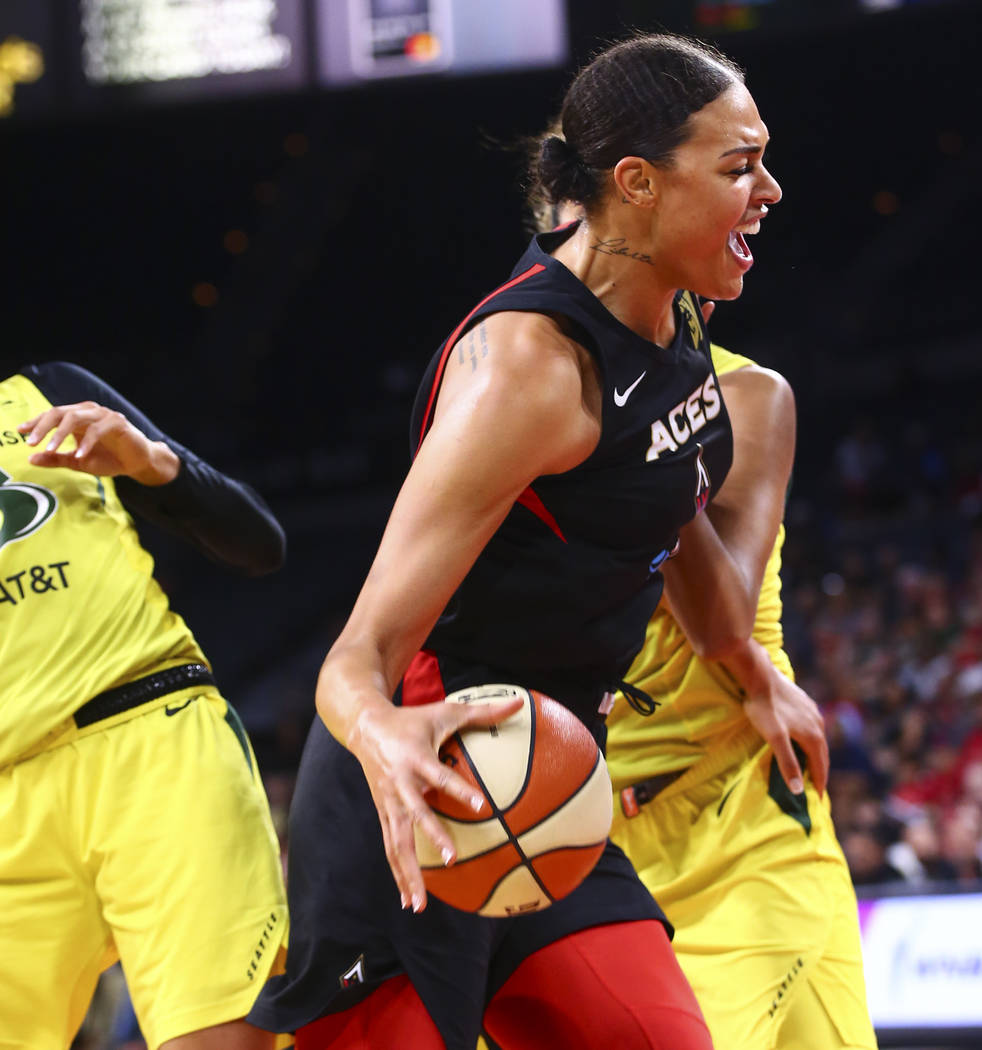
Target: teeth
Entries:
(752, 227)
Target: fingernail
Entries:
(32, 440)
(447, 856)
(477, 802)
(417, 902)
(78, 453)
(405, 901)
(796, 786)
(52, 445)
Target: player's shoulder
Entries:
(535, 350)
(728, 363)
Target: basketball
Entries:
(546, 815)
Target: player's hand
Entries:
(398, 748)
(106, 444)
(707, 306)
(783, 713)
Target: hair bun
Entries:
(555, 150)
(562, 173)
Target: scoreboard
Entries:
(60, 56)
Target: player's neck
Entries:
(613, 263)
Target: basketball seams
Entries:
(497, 813)
(566, 801)
(551, 825)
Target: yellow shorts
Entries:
(151, 842)
(767, 927)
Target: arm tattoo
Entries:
(476, 346)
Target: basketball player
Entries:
(135, 822)
(711, 805)
(567, 430)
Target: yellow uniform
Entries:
(135, 822)
(751, 876)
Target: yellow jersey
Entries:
(80, 610)
(699, 701)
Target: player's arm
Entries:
(714, 581)
(713, 584)
(501, 421)
(157, 478)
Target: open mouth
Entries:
(738, 246)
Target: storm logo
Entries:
(24, 508)
(703, 484)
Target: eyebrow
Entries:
(741, 149)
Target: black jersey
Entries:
(560, 597)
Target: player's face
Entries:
(715, 194)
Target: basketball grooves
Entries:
(513, 839)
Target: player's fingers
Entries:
(458, 716)
(403, 840)
(69, 422)
(40, 425)
(438, 775)
(818, 763)
(28, 424)
(436, 832)
(55, 459)
(787, 763)
(387, 844)
(97, 431)
(707, 306)
(389, 808)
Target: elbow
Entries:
(268, 554)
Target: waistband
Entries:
(140, 691)
(735, 747)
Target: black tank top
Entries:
(559, 598)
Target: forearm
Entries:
(224, 518)
(711, 597)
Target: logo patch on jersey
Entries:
(24, 508)
(663, 556)
(688, 309)
(621, 399)
(703, 484)
(355, 974)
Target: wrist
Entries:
(163, 466)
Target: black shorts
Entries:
(349, 932)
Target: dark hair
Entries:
(634, 99)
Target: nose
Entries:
(768, 191)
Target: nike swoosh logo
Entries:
(621, 399)
(180, 707)
(725, 797)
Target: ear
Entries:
(633, 177)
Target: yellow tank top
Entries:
(699, 701)
(80, 611)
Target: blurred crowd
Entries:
(883, 618)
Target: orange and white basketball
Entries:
(547, 810)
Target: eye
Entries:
(745, 170)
